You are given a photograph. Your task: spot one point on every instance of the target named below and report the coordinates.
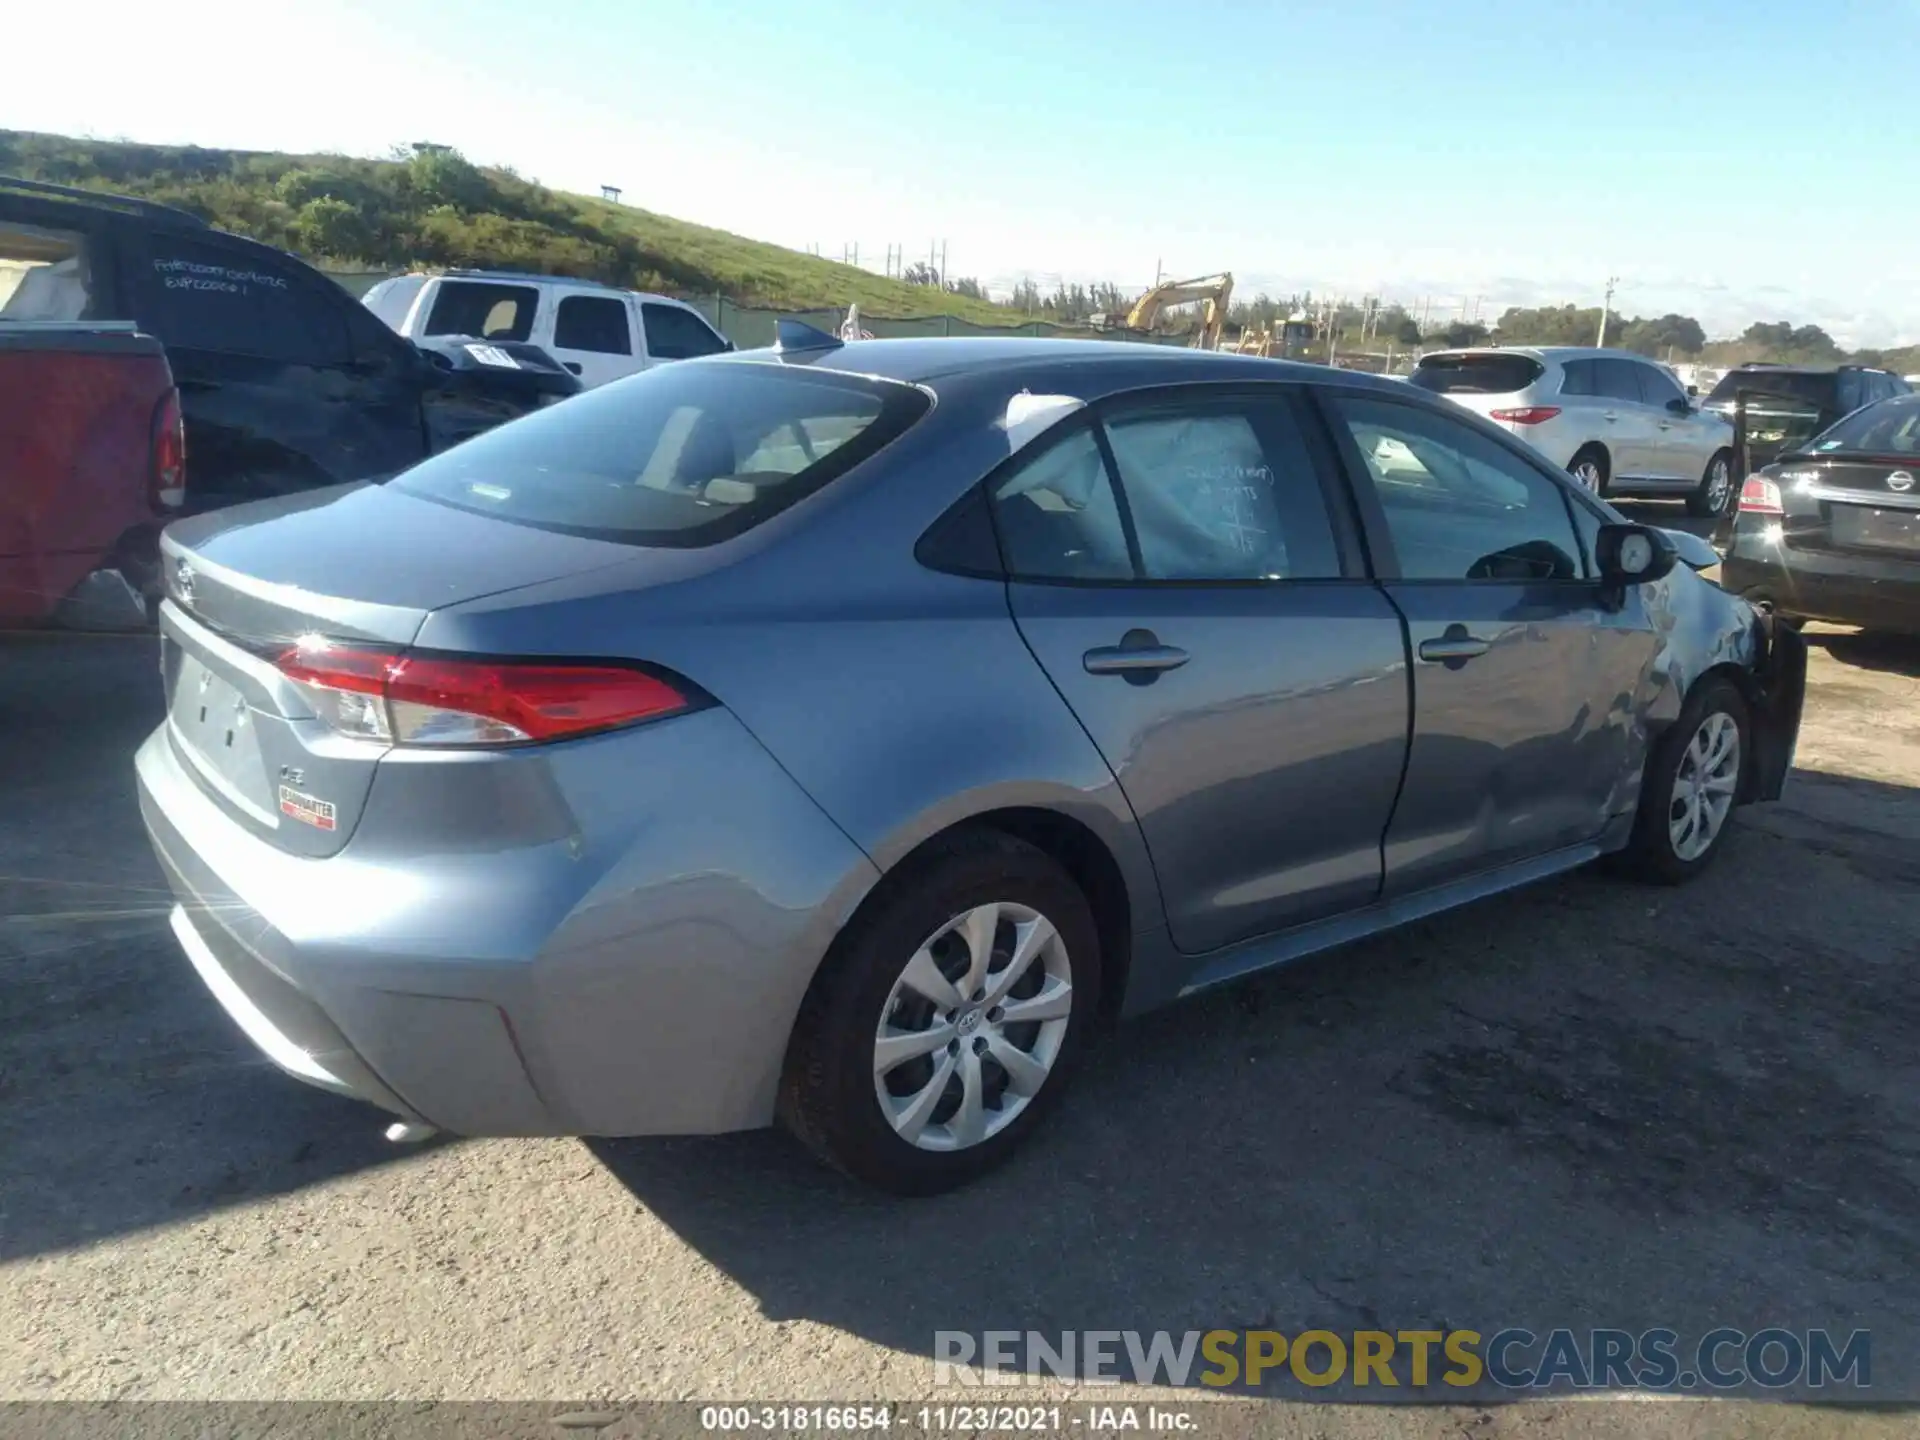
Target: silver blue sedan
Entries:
(839, 733)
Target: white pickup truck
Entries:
(596, 331)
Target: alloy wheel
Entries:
(1587, 472)
(1704, 788)
(973, 1026)
(1719, 484)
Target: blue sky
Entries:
(1733, 159)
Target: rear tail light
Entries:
(431, 700)
(1760, 496)
(1527, 414)
(167, 455)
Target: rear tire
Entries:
(1715, 490)
(908, 1069)
(1590, 469)
(1691, 787)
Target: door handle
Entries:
(1144, 660)
(1453, 647)
(1609, 415)
(1139, 656)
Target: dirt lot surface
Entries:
(1587, 1104)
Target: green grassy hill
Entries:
(434, 209)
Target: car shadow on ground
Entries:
(127, 1098)
(1584, 1104)
(1868, 650)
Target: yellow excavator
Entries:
(1213, 291)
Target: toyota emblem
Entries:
(1900, 480)
(183, 581)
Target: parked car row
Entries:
(839, 732)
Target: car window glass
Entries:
(483, 310)
(1889, 428)
(1578, 378)
(1618, 379)
(679, 455)
(1458, 505)
(1659, 387)
(200, 296)
(1057, 516)
(592, 322)
(1210, 502)
(676, 334)
(45, 274)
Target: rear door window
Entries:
(681, 455)
(676, 334)
(1578, 378)
(484, 310)
(200, 295)
(1490, 374)
(1619, 380)
(593, 322)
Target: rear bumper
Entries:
(1848, 589)
(619, 982)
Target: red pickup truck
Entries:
(92, 462)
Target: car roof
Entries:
(521, 277)
(1545, 352)
(938, 357)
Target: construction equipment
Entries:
(1213, 291)
(1286, 340)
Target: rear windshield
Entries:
(683, 455)
(1477, 374)
(1815, 387)
(1890, 428)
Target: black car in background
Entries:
(1790, 404)
(1830, 530)
(286, 381)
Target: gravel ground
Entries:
(1587, 1104)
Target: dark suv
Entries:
(286, 381)
(1789, 404)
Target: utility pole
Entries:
(1605, 306)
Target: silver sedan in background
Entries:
(837, 733)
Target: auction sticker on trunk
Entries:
(310, 809)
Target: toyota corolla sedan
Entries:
(838, 734)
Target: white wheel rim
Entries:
(1719, 482)
(1587, 472)
(972, 1028)
(1704, 787)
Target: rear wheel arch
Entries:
(1597, 451)
(1072, 844)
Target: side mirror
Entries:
(1680, 407)
(1633, 554)
(1692, 391)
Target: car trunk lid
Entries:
(364, 564)
(1862, 503)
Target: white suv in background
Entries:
(1618, 422)
(597, 332)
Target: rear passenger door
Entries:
(1627, 424)
(1522, 677)
(1189, 576)
(593, 336)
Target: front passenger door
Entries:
(1523, 679)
